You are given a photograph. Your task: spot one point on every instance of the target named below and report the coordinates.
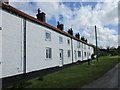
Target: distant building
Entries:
(30, 44)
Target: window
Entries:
(0, 28)
(48, 53)
(79, 53)
(88, 47)
(68, 41)
(78, 44)
(85, 54)
(84, 46)
(48, 36)
(89, 54)
(68, 53)
(60, 39)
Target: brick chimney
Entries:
(60, 26)
(82, 38)
(77, 35)
(86, 40)
(41, 16)
(70, 31)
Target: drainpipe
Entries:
(24, 50)
(72, 48)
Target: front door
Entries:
(61, 57)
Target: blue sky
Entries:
(81, 16)
(73, 5)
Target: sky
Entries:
(82, 16)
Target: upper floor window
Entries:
(48, 53)
(47, 35)
(68, 41)
(84, 46)
(68, 53)
(60, 39)
(79, 53)
(78, 44)
(88, 47)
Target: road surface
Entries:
(109, 80)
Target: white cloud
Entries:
(105, 13)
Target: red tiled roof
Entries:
(10, 8)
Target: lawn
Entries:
(73, 77)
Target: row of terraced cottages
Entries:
(30, 44)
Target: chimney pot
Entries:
(60, 26)
(70, 31)
(77, 35)
(58, 23)
(38, 10)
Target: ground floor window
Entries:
(85, 54)
(68, 53)
(48, 53)
(89, 54)
(79, 53)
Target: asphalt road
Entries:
(109, 80)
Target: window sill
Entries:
(48, 59)
(48, 40)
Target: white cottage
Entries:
(29, 44)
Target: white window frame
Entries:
(48, 53)
(47, 39)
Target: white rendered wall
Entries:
(11, 44)
(36, 48)
(82, 49)
(0, 44)
(65, 47)
(92, 50)
(76, 48)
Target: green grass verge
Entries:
(73, 77)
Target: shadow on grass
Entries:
(21, 84)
